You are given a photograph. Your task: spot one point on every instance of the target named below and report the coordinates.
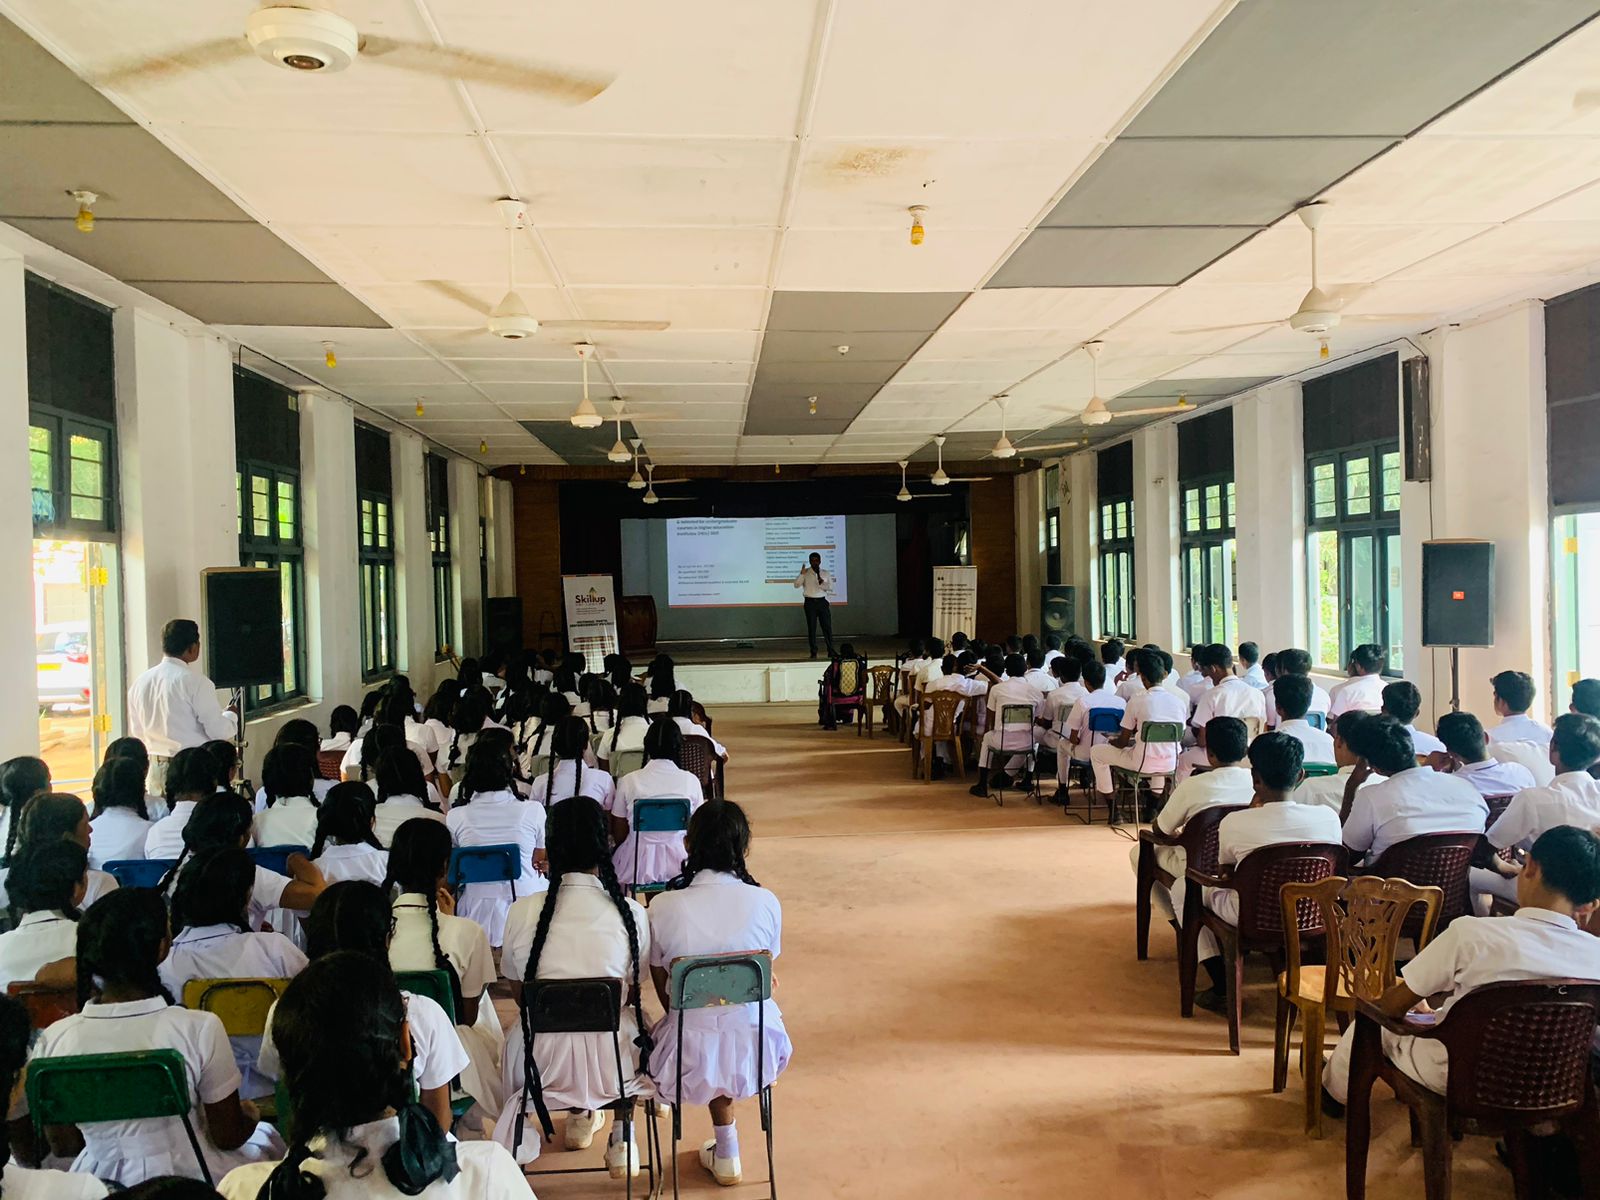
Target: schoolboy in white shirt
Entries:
(1128, 747)
(1412, 800)
(1194, 680)
(1402, 701)
(1364, 687)
(1250, 666)
(1098, 693)
(1329, 790)
(1296, 662)
(1111, 652)
(1228, 696)
(908, 669)
(1052, 649)
(1036, 675)
(1292, 695)
(1514, 692)
(1466, 756)
(1060, 701)
(1012, 690)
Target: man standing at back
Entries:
(172, 707)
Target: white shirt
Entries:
(1254, 676)
(339, 741)
(1362, 693)
(1319, 703)
(814, 584)
(716, 914)
(658, 777)
(291, 821)
(319, 792)
(116, 835)
(1041, 680)
(463, 942)
(1230, 698)
(1412, 802)
(437, 1053)
(930, 670)
(488, 1171)
(1223, 785)
(689, 729)
(1424, 743)
(1013, 691)
(39, 939)
(1273, 824)
(1155, 704)
(222, 952)
(629, 733)
(1328, 790)
(1571, 798)
(594, 783)
(1532, 943)
(1318, 746)
(1521, 728)
(1533, 757)
(586, 939)
(1495, 778)
(1078, 721)
(21, 1183)
(350, 764)
(394, 812)
(356, 861)
(495, 819)
(172, 707)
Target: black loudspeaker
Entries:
(1058, 608)
(503, 623)
(1458, 593)
(243, 625)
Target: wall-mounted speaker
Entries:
(1416, 419)
(1458, 593)
(1058, 607)
(503, 623)
(243, 625)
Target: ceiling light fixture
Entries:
(483, 447)
(811, 405)
(904, 493)
(522, 468)
(586, 416)
(917, 231)
(420, 409)
(86, 202)
(328, 356)
(302, 39)
(1003, 448)
(940, 479)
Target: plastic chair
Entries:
(1317, 720)
(1316, 770)
(501, 863)
(243, 1005)
(436, 985)
(1130, 779)
(85, 1089)
(46, 1003)
(843, 686)
(742, 977)
(1016, 722)
(140, 872)
(1258, 880)
(580, 1006)
(939, 714)
(699, 760)
(1362, 919)
(625, 762)
(655, 814)
(879, 695)
(276, 858)
(1101, 723)
(1197, 839)
(1497, 806)
(328, 763)
(1438, 860)
(1518, 1057)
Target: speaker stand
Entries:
(1455, 678)
(239, 743)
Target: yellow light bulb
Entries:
(328, 356)
(85, 200)
(85, 221)
(522, 468)
(420, 409)
(483, 447)
(917, 231)
(1324, 351)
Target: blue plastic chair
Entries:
(1317, 720)
(500, 863)
(140, 872)
(276, 858)
(1101, 724)
(655, 814)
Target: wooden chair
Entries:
(1362, 919)
(1519, 1057)
(879, 695)
(1258, 880)
(942, 728)
(1198, 841)
(1436, 860)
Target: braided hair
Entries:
(214, 889)
(631, 702)
(127, 747)
(47, 817)
(664, 740)
(718, 840)
(301, 732)
(400, 774)
(16, 1033)
(471, 711)
(119, 783)
(489, 769)
(570, 741)
(419, 858)
(553, 709)
(46, 879)
(578, 841)
(600, 696)
(399, 705)
(119, 944)
(289, 770)
(619, 670)
(346, 818)
(339, 1028)
(379, 740)
(21, 779)
(192, 774)
(350, 915)
(227, 756)
(222, 819)
(662, 682)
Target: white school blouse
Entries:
(717, 913)
(690, 729)
(21, 1183)
(437, 1053)
(357, 861)
(291, 821)
(464, 943)
(394, 812)
(492, 819)
(39, 939)
(594, 783)
(165, 839)
(350, 764)
(99, 884)
(629, 736)
(116, 835)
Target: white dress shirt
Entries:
(1359, 693)
(1230, 698)
(173, 707)
(1012, 691)
(291, 821)
(1571, 798)
(394, 812)
(1495, 778)
(165, 839)
(463, 942)
(1521, 728)
(1041, 680)
(1424, 743)
(116, 835)
(1254, 676)
(39, 939)
(1155, 704)
(1409, 803)
(23, 1183)
(594, 783)
(1224, 785)
(1328, 790)
(1317, 744)
(1274, 824)
(814, 585)
(1319, 703)
(1078, 720)
(356, 860)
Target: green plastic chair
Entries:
(1012, 716)
(709, 980)
(86, 1089)
(1320, 770)
(1152, 733)
(625, 762)
(438, 986)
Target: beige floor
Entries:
(968, 1015)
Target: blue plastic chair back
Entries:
(276, 858)
(1105, 720)
(485, 864)
(140, 872)
(1317, 720)
(660, 814)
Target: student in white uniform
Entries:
(626, 734)
(1098, 693)
(533, 735)
(1194, 680)
(130, 748)
(299, 733)
(344, 846)
(716, 908)
(661, 682)
(660, 852)
(46, 886)
(1225, 695)
(360, 761)
(120, 822)
(1466, 756)
(914, 661)
(1411, 801)
(1111, 652)
(1296, 662)
(562, 772)
(681, 710)
(1363, 689)
(1227, 782)
(1329, 790)
(1060, 702)
(403, 796)
(213, 938)
(1041, 680)
(1571, 798)
(121, 941)
(1514, 693)
(584, 927)
(342, 1036)
(1012, 689)
(1543, 939)
(1292, 697)
(488, 812)
(470, 716)
(343, 722)
(191, 777)
(1249, 666)
(1271, 820)
(222, 822)
(290, 818)
(19, 1182)
(1128, 748)
(1402, 701)
(46, 819)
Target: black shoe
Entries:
(1331, 1107)
(978, 790)
(1212, 1001)
(939, 770)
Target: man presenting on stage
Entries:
(816, 584)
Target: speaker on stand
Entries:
(1058, 609)
(1457, 600)
(243, 629)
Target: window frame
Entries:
(441, 555)
(1349, 523)
(1114, 567)
(1210, 606)
(62, 427)
(274, 550)
(375, 566)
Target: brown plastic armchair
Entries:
(1518, 1057)
(879, 695)
(1436, 860)
(944, 727)
(1258, 879)
(1362, 918)
(1198, 841)
(700, 760)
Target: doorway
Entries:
(78, 656)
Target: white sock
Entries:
(727, 1139)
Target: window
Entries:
(375, 552)
(70, 467)
(1353, 535)
(1210, 555)
(267, 508)
(437, 471)
(1116, 567)
(1052, 525)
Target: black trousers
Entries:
(818, 613)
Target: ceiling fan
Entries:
(905, 493)
(651, 481)
(1096, 412)
(1321, 310)
(311, 40)
(940, 479)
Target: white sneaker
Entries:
(581, 1128)
(726, 1171)
(620, 1163)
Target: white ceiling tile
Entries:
(439, 305)
(1204, 307)
(468, 255)
(1583, 204)
(884, 260)
(653, 395)
(677, 345)
(1447, 296)
(1087, 310)
(431, 394)
(466, 343)
(519, 370)
(450, 415)
(1552, 93)
(685, 308)
(1522, 247)
(305, 342)
(988, 345)
(629, 372)
(992, 372)
(1347, 253)
(354, 372)
(672, 257)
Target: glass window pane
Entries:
(1324, 500)
(382, 524)
(1191, 510)
(1122, 519)
(1125, 586)
(1391, 481)
(1326, 604)
(1214, 506)
(40, 475)
(1394, 612)
(260, 507)
(382, 594)
(366, 522)
(368, 666)
(1230, 590)
(86, 477)
(1215, 619)
(1358, 486)
(287, 510)
(1363, 590)
(1232, 520)
(1194, 593)
(286, 583)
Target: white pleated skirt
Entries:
(661, 857)
(719, 1053)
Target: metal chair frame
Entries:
(1128, 779)
(1100, 721)
(654, 814)
(1002, 754)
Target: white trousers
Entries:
(1104, 757)
(1222, 901)
(1423, 1059)
(1486, 884)
(1014, 738)
(1171, 860)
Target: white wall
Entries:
(464, 542)
(19, 714)
(1269, 471)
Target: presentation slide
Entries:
(751, 562)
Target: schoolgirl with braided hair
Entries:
(438, 713)
(47, 818)
(46, 887)
(601, 698)
(342, 1038)
(132, 749)
(345, 846)
(656, 855)
(223, 821)
(661, 682)
(564, 773)
(428, 936)
(715, 907)
(192, 776)
(680, 707)
(290, 817)
(628, 730)
(21, 779)
(19, 1182)
(125, 1007)
(534, 743)
(402, 795)
(487, 810)
(120, 819)
(585, 927)
(471, 714)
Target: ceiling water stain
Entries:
(868, 162)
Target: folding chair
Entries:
(1317, 720)
(1129, 780)
(742, 977)
(46, 1003)
(655, 814)
(501, 863)
(86, 1089)
(1320, 770)
(276, 858)
(1102, 722)
(580, 1006)
(440, 986)
(1012, 715)
(140, 872)
(244, 1006)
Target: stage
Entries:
(758, 671)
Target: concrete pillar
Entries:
(503, 543)
(1030, 548)
(19, 714)
(1078, 537)
(1155, 511)
(333, 588)
(413, 558)
(1270, 496)
(465, 542)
